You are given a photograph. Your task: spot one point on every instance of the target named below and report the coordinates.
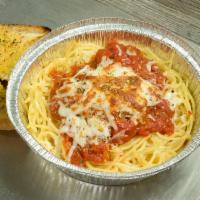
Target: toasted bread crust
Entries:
(15, 39)
(25, 27)
(5, 123)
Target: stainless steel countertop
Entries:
(25, 176)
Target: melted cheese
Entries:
(117, 70)
(145, 92)
(99, 70)
(97, 125)
(173, 99)
(80, 129)
(106, 68)
(73, 87)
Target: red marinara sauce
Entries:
(132, 57)
(95, 153)
(157, 118)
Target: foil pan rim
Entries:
(77, 28)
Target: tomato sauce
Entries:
(132, 57)
(95, 153)
(157, 118)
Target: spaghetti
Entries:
(113, 107)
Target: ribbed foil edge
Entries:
(79, 28)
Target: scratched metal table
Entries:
(25, 176)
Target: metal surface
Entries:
(186, 56)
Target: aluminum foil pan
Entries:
(148, 34)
